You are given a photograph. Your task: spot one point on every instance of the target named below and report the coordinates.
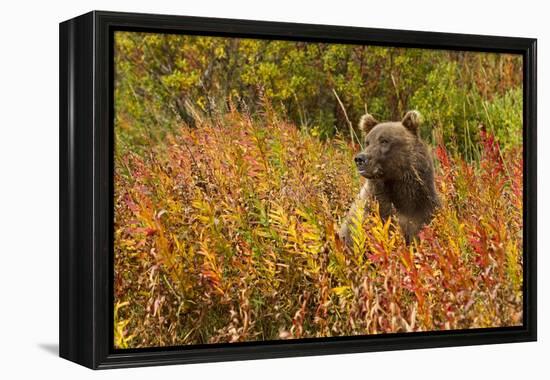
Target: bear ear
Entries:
(412, 121)
(367, 122)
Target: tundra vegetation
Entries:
(234, 168)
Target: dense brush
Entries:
(227, 233)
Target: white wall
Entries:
(29, 186)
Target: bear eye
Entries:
(384, 141)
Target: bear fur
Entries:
(399, 174)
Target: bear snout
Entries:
(361, 159)
(367, 166)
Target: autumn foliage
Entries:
(226, 233)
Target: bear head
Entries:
(388, 146)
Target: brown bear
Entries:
(399, 174)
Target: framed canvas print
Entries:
(236, 189)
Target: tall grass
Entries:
(226, 233)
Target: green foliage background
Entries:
(164, 80)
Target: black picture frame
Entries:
(86, 189)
